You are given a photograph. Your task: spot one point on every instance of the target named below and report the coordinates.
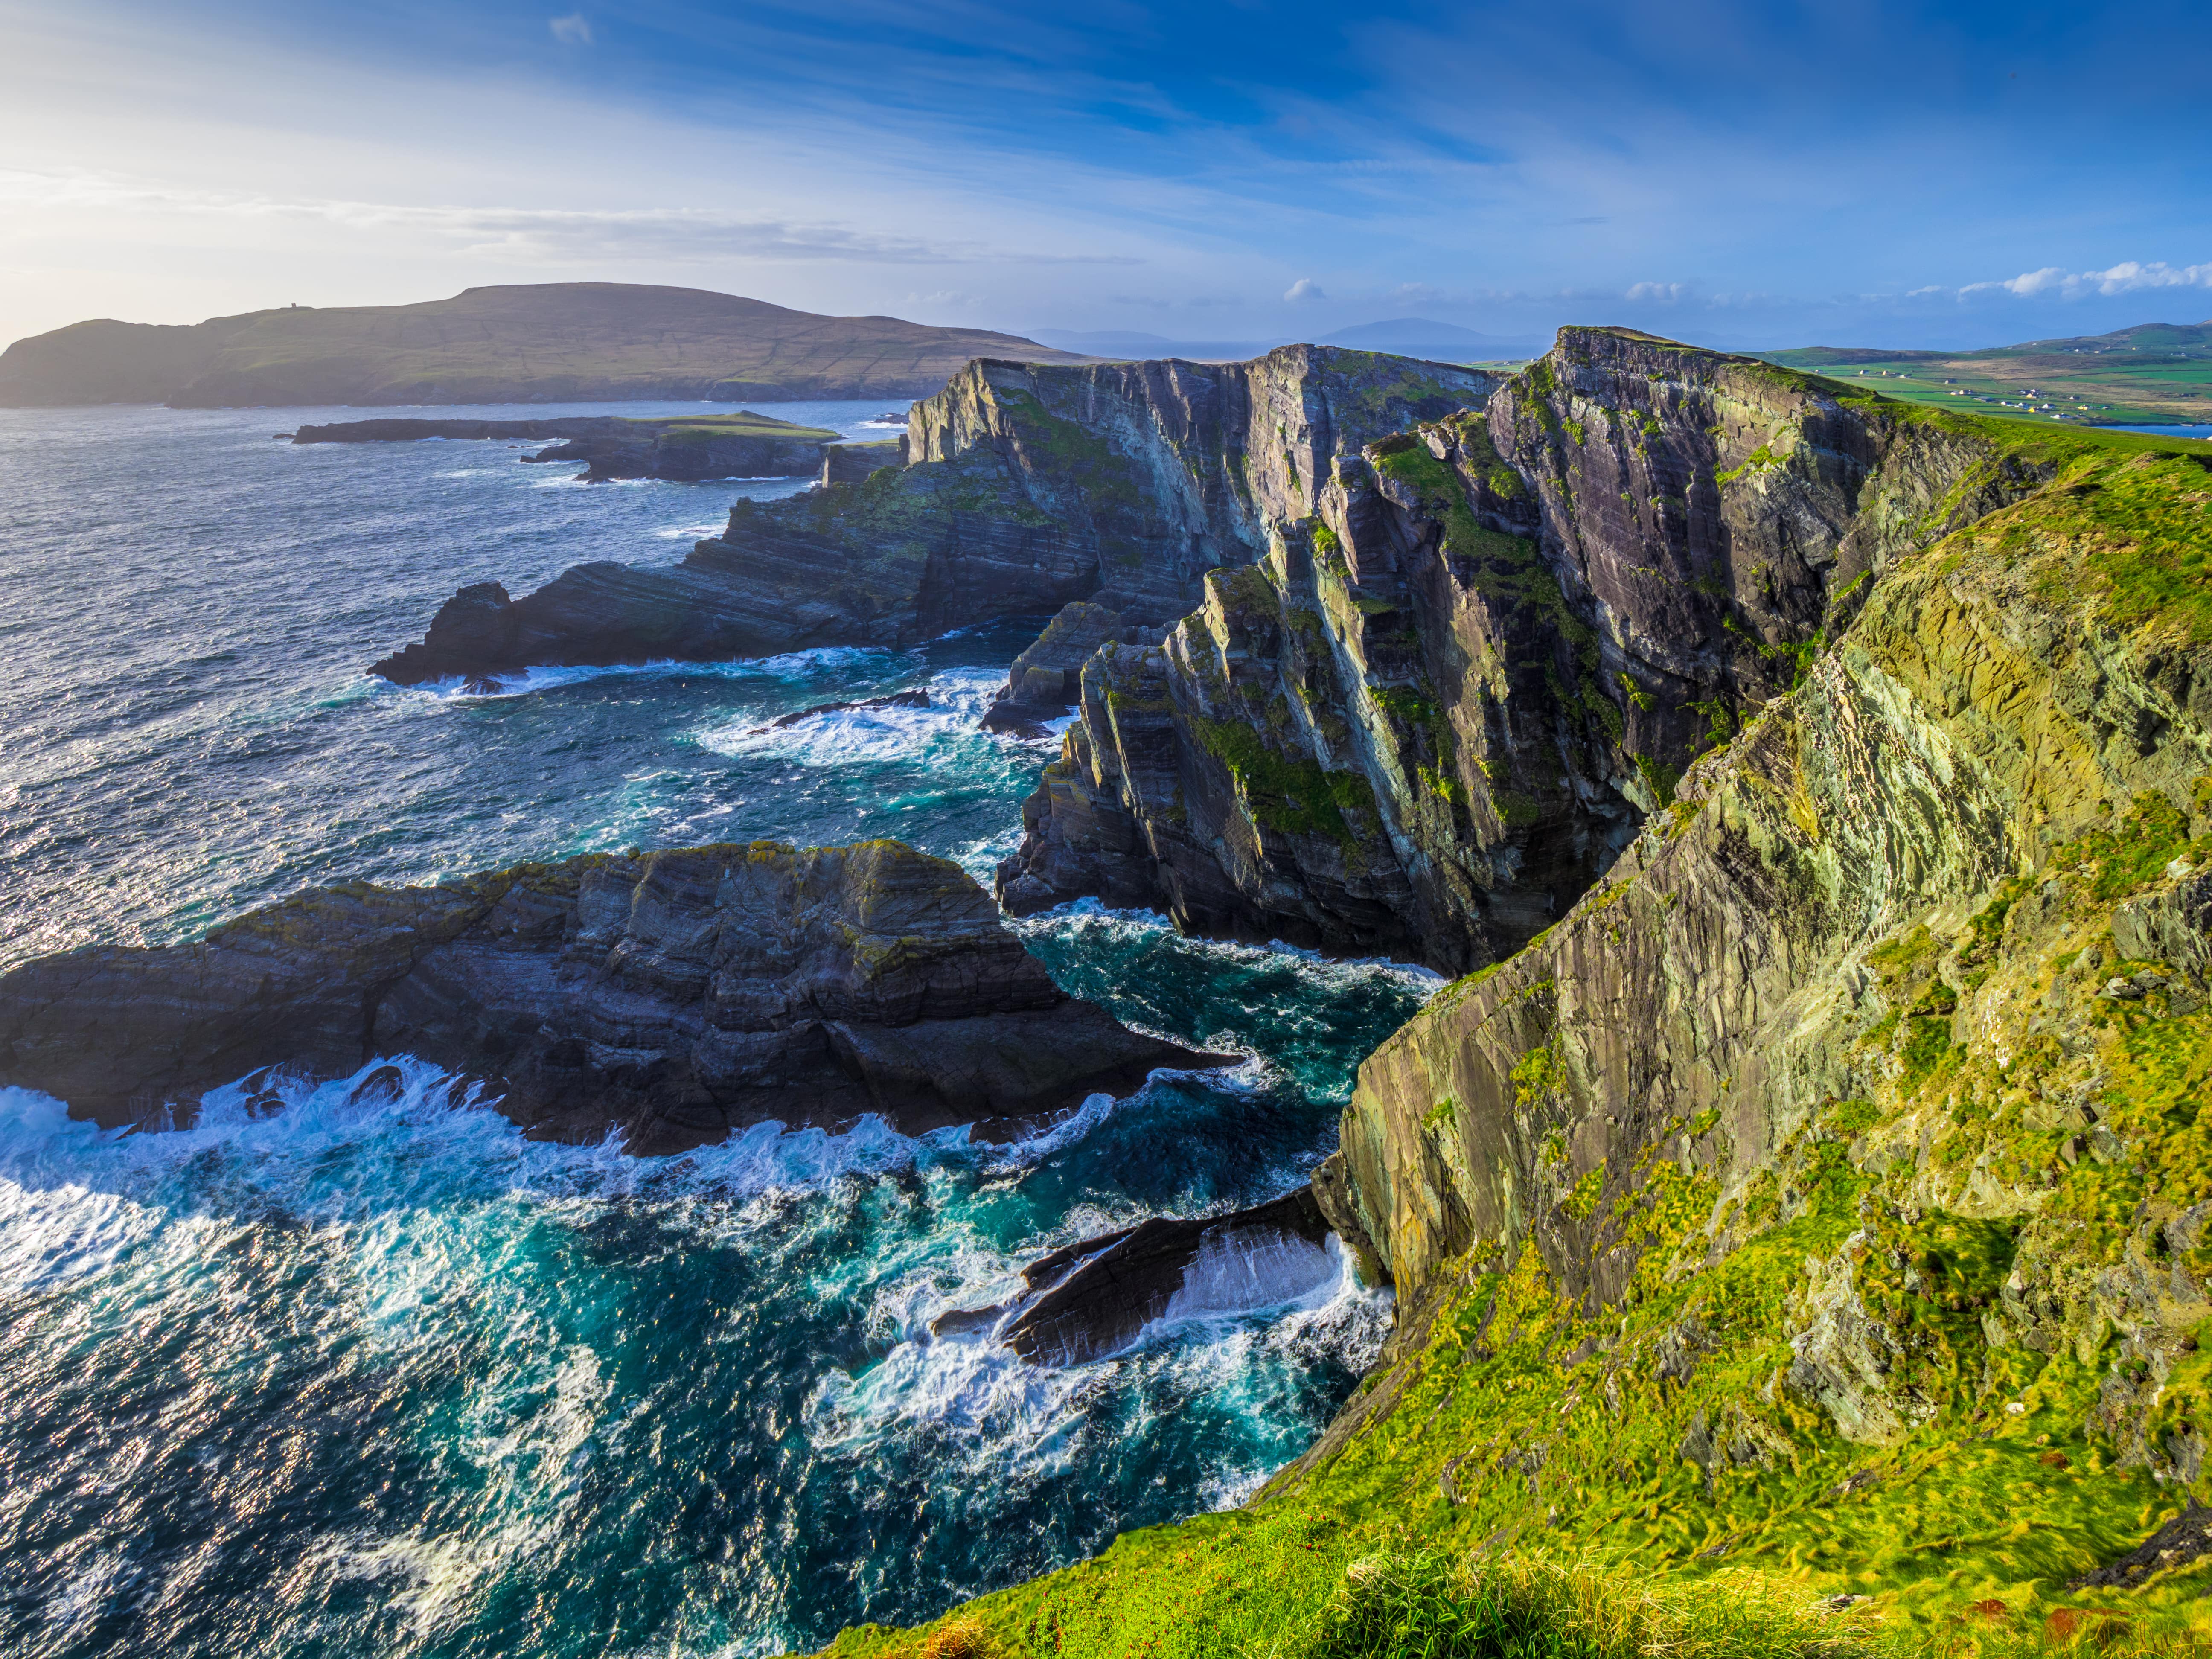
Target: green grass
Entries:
(701, 429)
(2180, 395)
(1429, 1607)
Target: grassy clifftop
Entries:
(539, 343)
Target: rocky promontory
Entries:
(685, 449)
(675, 995)
(1026, 486)
(1809, 1187)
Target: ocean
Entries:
(386, 1379)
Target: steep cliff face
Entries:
(1854, 1117)
(678, 995)
(1433, 714)
(1029, 486)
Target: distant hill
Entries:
(2152, 372)
(538, 342)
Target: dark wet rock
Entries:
(917, 698)
(677, 995)
(2181, 1541)
(1094, 1297)
(1028, 485)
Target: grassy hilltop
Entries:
(539, 343)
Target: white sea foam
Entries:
(76, 1199)
(1091, 915)
(843, 737)
(1232, 1275)
(788, 666)
(690, 533)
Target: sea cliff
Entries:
(1810, 1211)
(1440, 705)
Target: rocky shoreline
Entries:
(1812, 793)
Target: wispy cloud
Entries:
(573, 30)
(1304, 289)
(552, 235)
(2127, 276)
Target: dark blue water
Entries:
(388, 1379)
(2198, 429)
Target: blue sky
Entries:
(1738, 175)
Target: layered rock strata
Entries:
(1484, 650)
(1028, 486)
(690, 454)
(676, 996)
(852, 463)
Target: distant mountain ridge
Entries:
(535, 343)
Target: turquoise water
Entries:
(384, 1379)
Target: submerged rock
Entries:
(917, 698)
(1090, 1299)
(675, 996)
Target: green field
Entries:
(2159, 374)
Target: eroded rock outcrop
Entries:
(1029, 485)
(677, 995)
(1432, 714)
